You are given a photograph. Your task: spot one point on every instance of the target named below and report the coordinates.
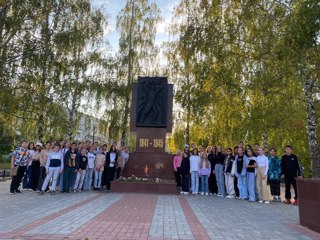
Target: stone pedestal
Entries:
(160, 165)
(141, 187)
(309, 203)
(150, 121)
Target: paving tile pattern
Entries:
(237, 219)
(21, 209)
(71, 221)
(129, 218)
(90, 216)
(169, 220)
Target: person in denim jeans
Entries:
(70, 161)
(240, 171)
(204, 172)
(220, 172)
(251, 173)
(98, 169)
(90, 169)
(194, 171)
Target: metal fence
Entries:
(5, 173)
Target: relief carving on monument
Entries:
(152, 102)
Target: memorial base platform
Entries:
(154, 165)
(164, 187)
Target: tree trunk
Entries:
(2, 48)
(265, 142)
(44, 75)
(42, 104)
(110, 132)
(312, 125)
(41, 127)
(188, 128)
(73, 108)
(70, 125)
(188, 104)
(129, 82)
(74, 98)
(125, 121)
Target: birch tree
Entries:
(137, 23)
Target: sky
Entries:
(111, 8)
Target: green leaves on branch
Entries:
(244, 68)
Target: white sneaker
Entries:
(202, 193)
(181, 192)
(186, 193)
(75, 190)
(215, 194)
(207, 194)
(266, 202)
(260, 201)
(230, 196)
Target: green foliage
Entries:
(46, 50)
(247, 64)
(243, 70)
(137, 23)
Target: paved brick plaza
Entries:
(140, 216)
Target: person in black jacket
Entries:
(81, 168)
(212, 157)
(219, 172)
(110, 166)
(236, 189)
(185, 173)
(70, 161)
(291, 169)
(229, 178)
(186, 149)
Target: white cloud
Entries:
(162, 27)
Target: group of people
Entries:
(68, 166)
(242, 172)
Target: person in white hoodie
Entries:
(54, 167)
(194, 171)
(90, 169)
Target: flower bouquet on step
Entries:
(133, 178)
